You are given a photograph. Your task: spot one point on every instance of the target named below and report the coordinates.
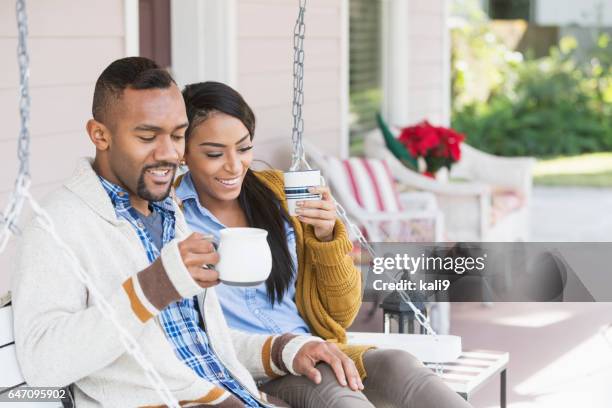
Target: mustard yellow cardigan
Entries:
(328, 288)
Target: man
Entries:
(116, 216)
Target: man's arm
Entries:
(293, 354)
(59, 338)
(268, 356)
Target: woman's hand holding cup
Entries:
(198, 252)
(321, 214)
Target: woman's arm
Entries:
(337, 279)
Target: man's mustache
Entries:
(157, 165)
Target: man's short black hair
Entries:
(130, 72)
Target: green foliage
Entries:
(395, 146)
(481, 62)
(364, 105)
(543, 107)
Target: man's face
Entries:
(147, 141)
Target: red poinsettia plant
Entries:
(438, 146)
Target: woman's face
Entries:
(219, 153)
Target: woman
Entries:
(313, 287)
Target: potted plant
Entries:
(438, 146)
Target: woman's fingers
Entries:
(316, 213)
(317, 222)
(317, 209)
(318, 204)
(321, 214)
(323, 190)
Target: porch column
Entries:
(395, 64)
(204, 41)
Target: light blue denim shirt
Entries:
(247, 309)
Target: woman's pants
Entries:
(394, 379)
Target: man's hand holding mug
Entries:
(197, 252)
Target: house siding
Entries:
(70, 42)
(264, 74)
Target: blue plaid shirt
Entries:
(180, 319)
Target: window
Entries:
(510, 9)
(365, 88)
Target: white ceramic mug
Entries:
(296, 187)
(244, 256)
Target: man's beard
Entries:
(144, 193)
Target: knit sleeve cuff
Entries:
(177, 272)
(164, 281)
(332, 252)
(291, 349)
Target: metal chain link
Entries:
(419, 316)
(298, 160)
(11, 213)
(21, 194)
(23, 148)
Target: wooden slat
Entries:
(10, 374)
(52, 157)
(473, 369)
(55, 110)
(278, 57)
(6, 326)
(66, 18)
(323, 84)
(321, 21)
(59, 61)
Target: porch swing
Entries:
(437, 349)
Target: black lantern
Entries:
(396, 308)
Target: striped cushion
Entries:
(372, 185)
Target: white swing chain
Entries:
(12, 210)
(419, 316)
(21, 194)
(298, 160)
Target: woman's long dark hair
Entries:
(258, 202)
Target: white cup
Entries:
(296, 187)
(244, 256)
